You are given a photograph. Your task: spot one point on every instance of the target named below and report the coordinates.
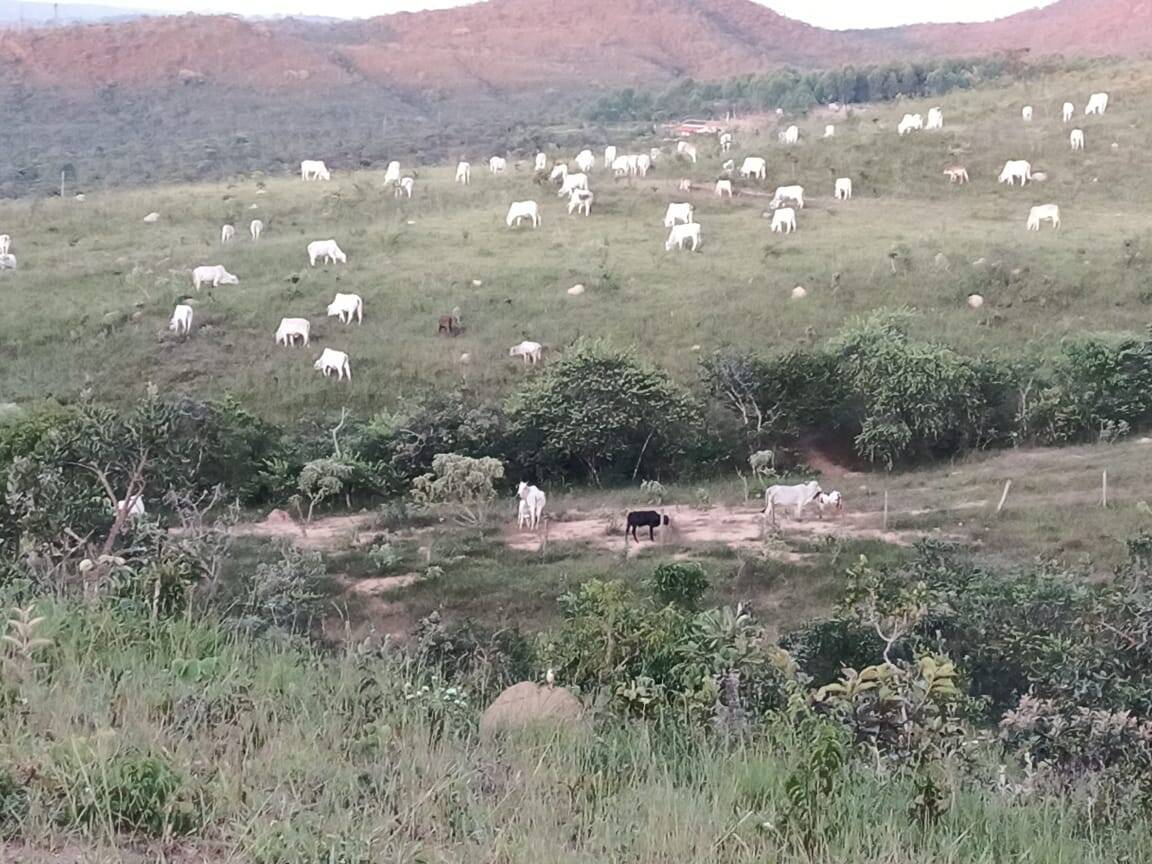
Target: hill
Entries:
(511, 45)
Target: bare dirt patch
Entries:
(735, 527)
(326, 534)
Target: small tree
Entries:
(462, 485)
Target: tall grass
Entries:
(179, 732)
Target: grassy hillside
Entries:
(96, 285)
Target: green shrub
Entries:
(13, 803)
(682, 584)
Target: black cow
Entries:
(649, 519)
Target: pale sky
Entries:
(839, 14)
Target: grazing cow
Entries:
(843, 188)
(7, 261)
(314, 169)
(679, 213)
(541, 161)
(227, 233)
(653, 153)
(681, 234)
(291, 329)
(1038, 214)
(829, 131)
(133, 507)
(255, 228)
(935, 118)
(830, 501)
(215, 273)
(910, 123)
(722, 187)
(1026, 113)
(788, 193)
(571, 182)
(956, 174)
(534, 497)
(346, 306)
(449, 324)
(790, 135)
(152, 218)
(497, 165)
(685, 185)
(649, 519)
(530, 351)
(523, 210)
(754, 166)
(326, 249)
(334, 361)
(1069, 110)
(687, 150)
(181, 321)
(559, 172)
(580, 200)
(643, 164)
(784, 221)
(798, 496)
(609, 155)
(622, 166)
(5, 244)
(404, 187)
(1077, 139)
(585, 161)
(725, 142)
(1097, 104)
(392, 172)
(463, 173)
(1016, 169)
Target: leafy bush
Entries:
(822, 649)
(463, 486)
(286, 594)
(682, 584)
(598, 412)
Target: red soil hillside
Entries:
(509, 45)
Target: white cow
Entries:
(679, 213)
(798, 496)
(622, 166)
(133, 507)
(314, 169)
(585, 161)
(784, 221)
(1077, 139)
(523, 210)
(1069, 110)
(1026, 113)
(214, 273)
(497, 165)
(290, 329)
(685, 185)
(227, 233)
(609, 155)
(1097, 104)
(956, 174)
(255, 228)
(788, 193)
(5, 244)
(643, 164)
(346, 306)
(7, 261)
(181, 321)
(530, 351)
(728, 166)
(681, 234)
(790, 135)
(326, 249)
(532, 501)
(829, 131)
(559, 172)
(463, 173)
(725, 142)
(1016, 169)
(392, 172)
(1038, 214)
(405, 187)
(686, 149)
(334, 361)
(581, 199)
(722, 187)
(152, 218)
(571, 182)
(909, 123)
(541, 161)
(653, 153)
(843, 189)
(754, 166)
(830, 501)
(935, 118)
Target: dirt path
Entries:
(325, 534)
